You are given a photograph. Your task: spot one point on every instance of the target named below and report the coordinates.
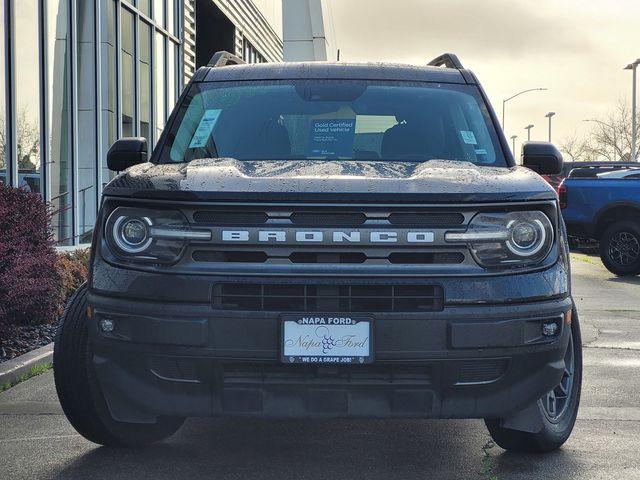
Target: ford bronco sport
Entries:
(326, 240)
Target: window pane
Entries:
(3, 106)
(27, 93)
(86, 197)
(58, 121)
(171, 76)
(158, 11)
(109, 84)
(159, 68)
(143, 6)
(171, 16)
(145, 80)
(128, 76)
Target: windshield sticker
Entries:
(332, 138)
(203, 132)
(468, 137)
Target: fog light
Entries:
(549, 329)
(107, 325)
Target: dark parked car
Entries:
(326, 240)
(602, 203)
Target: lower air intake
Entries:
(315, 298)
(475, 372)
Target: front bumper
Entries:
(468, 361)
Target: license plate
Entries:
(333, 339)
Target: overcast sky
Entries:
(575, 48)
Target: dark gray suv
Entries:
(326, 240)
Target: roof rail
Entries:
(223, 58)
(592, 171)
(448, 60)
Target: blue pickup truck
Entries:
(603, 204)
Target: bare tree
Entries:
(576, 149)
(28, 145)
(609, 138)
(28, 142)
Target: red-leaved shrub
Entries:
(29, 274)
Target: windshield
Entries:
(333, 119)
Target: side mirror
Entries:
(127, 152)
(542, 157)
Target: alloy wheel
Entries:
(624, 248)
(556, 402)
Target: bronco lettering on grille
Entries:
(338, 236)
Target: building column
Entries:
(303, 30)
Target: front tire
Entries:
(558, 417)
(620, 248)
(79, 392)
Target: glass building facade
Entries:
(76, 75)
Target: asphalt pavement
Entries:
(36, 441)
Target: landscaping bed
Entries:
(24, 338)
(18, 338)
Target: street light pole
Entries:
(549, 115)
(504, 102)
(528, 129)
(513, 143)
(634, 116)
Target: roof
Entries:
(606, 169)
(330, 70)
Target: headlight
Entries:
(513, 238)
(526, 238)
(157, 236)
(131, 234)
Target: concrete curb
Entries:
(11, 370)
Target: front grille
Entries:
(327, 256)
(314, 219)
(255, 237)
(429, 219)
(426, 258)
(374, 374)
(323, 239)
(230, 217)
(319, 297)
(230, 256)
(321, 217)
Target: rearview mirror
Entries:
(126, 152)
(542, 157)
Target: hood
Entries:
(435, 181)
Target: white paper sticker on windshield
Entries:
(332, 138)
(468, 137)
(203, 132)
